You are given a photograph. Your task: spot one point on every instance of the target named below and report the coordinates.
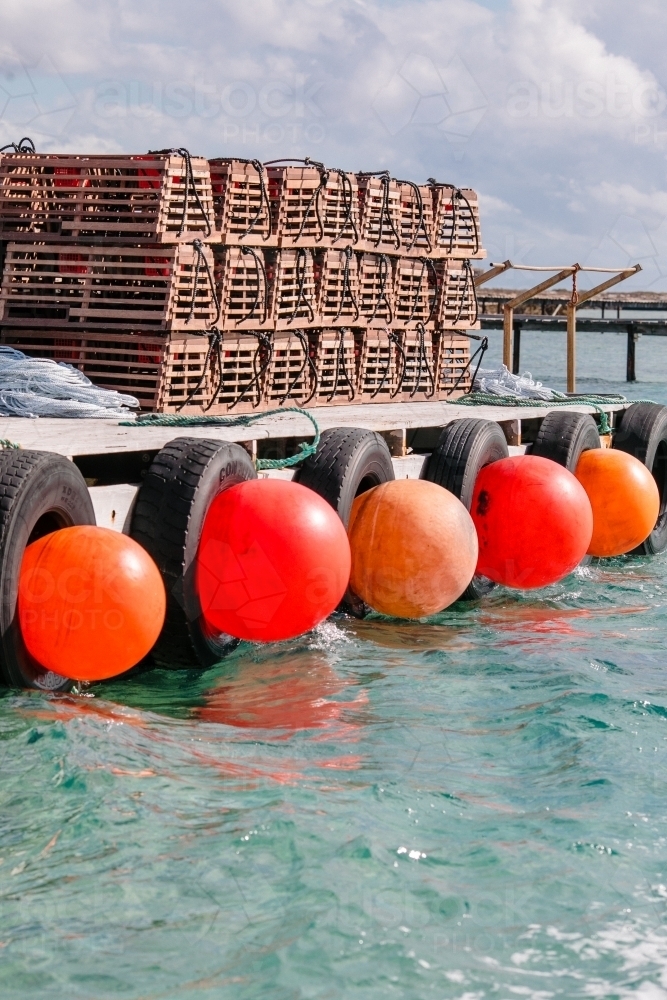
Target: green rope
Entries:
(597, 402)
(6, 443)
(242, 420)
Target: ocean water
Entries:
(472, 806)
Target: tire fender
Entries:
(348, 461)
(40, 492)
(182, 482)
(642, 432)
(564, 435)
(463, 449)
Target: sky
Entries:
(555, 111)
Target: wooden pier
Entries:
(633, 313)
(114, 457)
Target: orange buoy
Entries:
(414, 548)
(533, 520)
(624, 497)
(91, 602)
(273, 560)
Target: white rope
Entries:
(39, 387)
(501, 382)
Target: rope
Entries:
(24, 145)
(240, 420)
(457, 195)
(392, 340)
(347, 290)
(263, 197)
(264, 340)
(301, 259)
(5, 443)
(421, 224)
(348, 202)
(421, 354)
(189, 179)
(259, 269)
(469, 281)
(341, 366)
(481, 351)
(384, 273)
(307, 361)
(214, 338)
(596, 402)
(201, 258)
(425, 262)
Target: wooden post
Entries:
(571, 347)
(508, 323)
(578, 299)
(519, 301)
(516, 348)
(630, 375)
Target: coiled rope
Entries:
(242, 420)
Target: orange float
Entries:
(414, 548)
(91, 602)
(624, 497)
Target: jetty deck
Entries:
(114, 457)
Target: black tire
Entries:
(463, 449)
(563, 436)
(40, 492)
(643, 433)
(348, 461)
(167, 521)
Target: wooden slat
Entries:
(456, 223)
(314, 207)
(68, 284)
(290, 378)
(376, 289)
(66, 196)
(380, 206)
(416, 216)
(378, 366)
(335, 362)
(416, 294)
(241, 202)
(457, 302)
(337, 278)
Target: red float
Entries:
(534, 521)
(273, 561)
(91, 602)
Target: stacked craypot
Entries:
(230, 285)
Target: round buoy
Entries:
(624, 497)
(273, 561)
(91, 602)
(414, 548)
(534, 521)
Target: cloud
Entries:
(553, 108)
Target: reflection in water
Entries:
(405, 635)
(292, 692)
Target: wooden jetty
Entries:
(113, 457)
(599, 310)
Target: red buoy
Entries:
(534, 521)
(91, 602)
(273, 560)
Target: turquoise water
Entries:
(475, 806)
